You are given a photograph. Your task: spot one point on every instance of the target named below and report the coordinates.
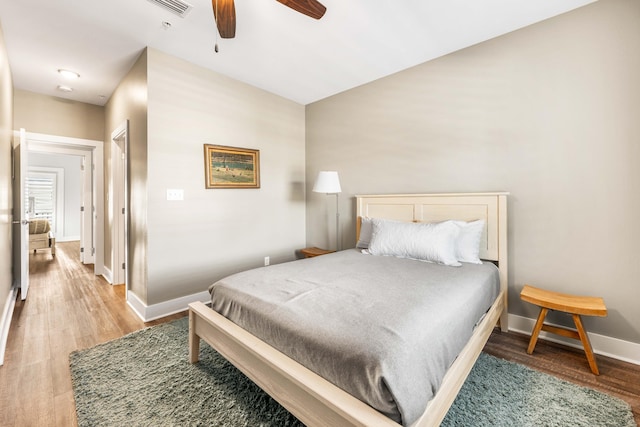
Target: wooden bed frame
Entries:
(314, 400)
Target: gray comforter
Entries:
(383, 329)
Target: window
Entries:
(41, 197)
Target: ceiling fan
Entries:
(224, 12)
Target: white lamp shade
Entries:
(327, 182)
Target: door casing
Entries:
(119, 205)
(94, 179)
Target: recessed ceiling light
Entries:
(65, 88)
(72, 75)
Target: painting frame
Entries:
(231, 167)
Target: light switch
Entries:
(175, 194)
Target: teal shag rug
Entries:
(145, 379)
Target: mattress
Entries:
(383, 329)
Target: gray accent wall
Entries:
(216, 232)
(548, 113)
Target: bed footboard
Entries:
(311, 398)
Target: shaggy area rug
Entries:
(144, 379)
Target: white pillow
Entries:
(468, 241)
(434, 242)
(365, 233)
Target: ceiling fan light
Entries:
(65, 88)
(68, 74)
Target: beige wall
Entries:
(548, 113)
(214, 232)
(6, 129)
(57, 116)
(129, 102)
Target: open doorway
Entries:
(84, 204)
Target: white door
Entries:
(120, 220)
(21, 219)
(118, 201)
(87, 254)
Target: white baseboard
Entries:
(151, 312)
(607, 346)
(67, 238)
(5, 321)
(108, 276)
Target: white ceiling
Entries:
(276, 48)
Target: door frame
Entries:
(39, 142)
(119, 205)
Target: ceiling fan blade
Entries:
(224, 12)
(311, 8)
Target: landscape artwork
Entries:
(231, 167)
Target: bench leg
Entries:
(536, 329)
(586, 344)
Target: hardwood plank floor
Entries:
(69, 308)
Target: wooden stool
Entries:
(572, 304)
(313, 252)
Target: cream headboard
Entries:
(492, 207)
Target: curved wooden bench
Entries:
(572, 304)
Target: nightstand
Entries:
(312, 252)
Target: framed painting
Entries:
(231, 167)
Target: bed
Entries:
(40, 236)
(319, 402)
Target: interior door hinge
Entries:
(122, 211)
(93, 251)
(81, 250)
(123, 267)
(81, 208)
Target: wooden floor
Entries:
(69, 308)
